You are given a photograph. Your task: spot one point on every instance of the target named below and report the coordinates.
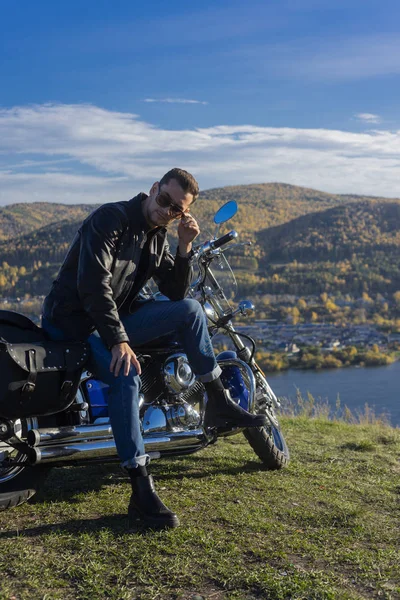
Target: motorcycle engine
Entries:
(178, 374)
(173, 396)
(176, 393)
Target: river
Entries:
(379, 387)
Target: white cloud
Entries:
(368, 118)
(106, 156)
(175, 100)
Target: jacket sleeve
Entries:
(99, 238)
(173, 276)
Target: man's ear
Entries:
(154, 188)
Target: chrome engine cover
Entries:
(182, 415)
(164, 418)
(178, 374)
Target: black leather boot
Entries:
(146, 510)
(222, 411)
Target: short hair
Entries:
(185, 180)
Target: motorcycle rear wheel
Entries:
(270, 446)
(18, 483)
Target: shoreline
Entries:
(314, 360)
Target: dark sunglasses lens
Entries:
(163, 201)
(175, 212)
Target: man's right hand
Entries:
(123, 356)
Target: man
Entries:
(118, 248)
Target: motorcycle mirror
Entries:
(246, 307)
(226, 212)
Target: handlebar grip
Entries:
(224, 239)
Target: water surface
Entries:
(356, 386)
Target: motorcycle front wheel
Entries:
(269, 444)
(18, 482)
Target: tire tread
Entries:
(266, 450)
(22, 487)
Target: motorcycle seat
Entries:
(161, 344)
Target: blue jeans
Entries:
(186, 320)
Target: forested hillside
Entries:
(267, 204)
(335, 234)
(350, 249)
(19, 219)
(36, 236)
(47, 244)
(260, 205)
(305, 241)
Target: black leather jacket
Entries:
(98, 272)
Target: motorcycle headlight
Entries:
(210, 313)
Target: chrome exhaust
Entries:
(155, 445)
(51, 435)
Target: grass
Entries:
(325, 527)
(318, 408)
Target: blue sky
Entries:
(99, 98)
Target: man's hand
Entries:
(188, 230)
(123, 355)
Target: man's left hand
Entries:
(188, 230)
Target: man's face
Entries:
(166, 204)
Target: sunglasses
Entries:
(163, 199)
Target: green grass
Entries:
(326, 527)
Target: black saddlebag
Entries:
(37, 376)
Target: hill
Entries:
(260, 205)
(306, 241)
(361, 228)
(350, 249)
(19, 219)
(47, 244)
(269, 204)
(42, 232)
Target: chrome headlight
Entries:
(210, 313)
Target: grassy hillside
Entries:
(324, 528)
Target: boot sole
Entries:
(139, 522)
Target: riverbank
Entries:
(314, 358)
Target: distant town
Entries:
(291, 340)
(284, 337)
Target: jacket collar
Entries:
(135, 213)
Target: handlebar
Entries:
(215, 244)
(223, 240)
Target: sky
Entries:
(99, 98)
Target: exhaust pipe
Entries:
(155, 445)
(51, 435)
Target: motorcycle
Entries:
(172, 401)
